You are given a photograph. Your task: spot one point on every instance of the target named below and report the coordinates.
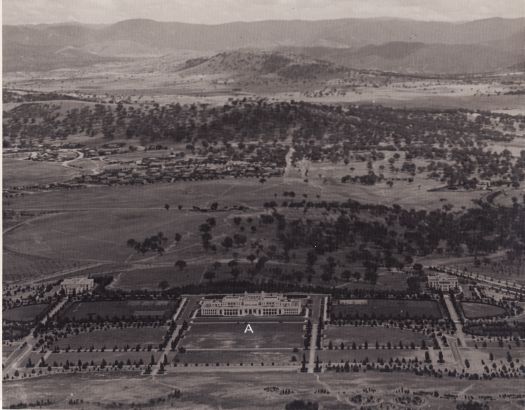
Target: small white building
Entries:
(255, 304)
(77, 285)
(442, 282)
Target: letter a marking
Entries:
(248, 329)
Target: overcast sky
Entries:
(222, 11)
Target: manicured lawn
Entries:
(123, 309)
(96, 357)
(386, 309)
(372, 354)
(115, 337)
(279, 358)
(24, 313)
(231, 336)
(480, 310)
(361, 334)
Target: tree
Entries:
(227, 242)
(209, 275)
(440, 357)
(235, 272)
(180, 264)
(164, 285)
(427, 357)
(178, 237)
(167, 207)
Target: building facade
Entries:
(251, 304)
(442, 282)
(77, 285)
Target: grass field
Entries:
(336, 356)
(246, 390)
(235, 358)
(152, 277)
(129, 309)
(386, 308)
(382, 335)
(21, 172)
(480, 310)
(96, 357)
(231, 336)
(18, 266)
(24, 313)
(109, 338)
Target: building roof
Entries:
(79, 280)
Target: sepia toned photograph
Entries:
(263, 204)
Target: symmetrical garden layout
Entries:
(163, 333)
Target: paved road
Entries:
(167, 348)
(316, 312)
(455, 318)
(16, 360)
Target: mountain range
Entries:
(382, 44)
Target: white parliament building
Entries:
(442, 282)
(255, 304)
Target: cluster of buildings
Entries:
(77, 285)
(251, 304)
(151, 170)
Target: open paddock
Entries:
(26, 313)
(480, 310)
(18, 266)
(18, 172)
(131, 336)
(382, 335)
(386, 309)
(231, 336)
(132, 309)
(385, 280)
(89, 234)
(235, 358)
(152, 278)
(243, 389)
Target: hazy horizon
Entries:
(214, 12)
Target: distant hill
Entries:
(413, 40)
(404, 57)
(251, 63)
(22, 57)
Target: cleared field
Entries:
(152, 278)
(24, 313)
(109, 338)
(480, 310)
(122, 309)
(245, 390)
(382, 335)
(22, 172)
(100, 236)
(386, 309)
(279, 358)
(18, 266)
(231, 336)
